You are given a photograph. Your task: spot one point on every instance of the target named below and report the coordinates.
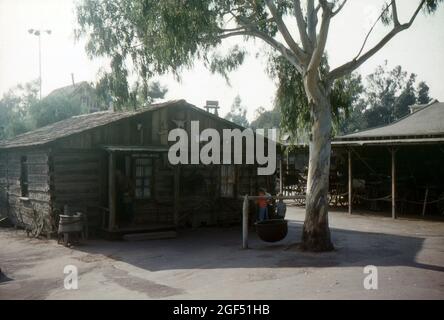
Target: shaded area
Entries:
(4, 277)
(216, 248)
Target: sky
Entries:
(419, 50)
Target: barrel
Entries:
(272, 230)
(69, 223)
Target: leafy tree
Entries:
(295, 108)
(406, 98)
(161, 36)
(385, 98)
(238, 113)
(114, 88)
(52, 109)
(423, 93)
(14, 109)
(267, 119)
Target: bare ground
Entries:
(208, 263)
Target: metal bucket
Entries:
(69, 223)
(272, 230)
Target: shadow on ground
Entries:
(216, 248)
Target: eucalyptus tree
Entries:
(169, 35)
(238, 113)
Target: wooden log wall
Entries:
(3, 186)
(79, 181)
(21, 209)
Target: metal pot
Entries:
(272, 230)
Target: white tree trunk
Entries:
(316, 233)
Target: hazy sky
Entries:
(419, 50)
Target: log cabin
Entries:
(84, 163)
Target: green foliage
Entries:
(267, 119)
(292, 102)
(225, 64)
(386, 98)
(423, 93)
(52, 109)
(14, 107)
(238, 113)
(147, 37)
(21, 111)
(429, 7)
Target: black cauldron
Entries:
(272, 230)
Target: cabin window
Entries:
(24, 177)
(227, 181)
(144, 178)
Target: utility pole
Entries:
(38, 33)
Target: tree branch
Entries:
(287, 53)
(395, 13)
(233, 34)
(302, 26)
(370, 31)
(321, 40)
(231, 29)
(283, 29)
(356, 62)
(339, 8)
(312, 20)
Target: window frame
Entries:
(147, 180)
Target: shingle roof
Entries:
(75, 125)
(426, 122)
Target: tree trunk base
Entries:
(316, 241)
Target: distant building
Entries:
(81, 93)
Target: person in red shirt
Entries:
(262, 203)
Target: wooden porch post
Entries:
(393, 152)
(424, 205)
(350, 182)
(281, 176)
(245, 223)
(112, 191)
(176, 195)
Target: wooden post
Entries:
(112, 191)
(393, 152)
(350, 182)
(176, 195)
(281, 177)
(245, 223)
(425, 201)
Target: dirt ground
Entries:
(208, 263)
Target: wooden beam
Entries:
(350, 182)
(176, 194)
(281, 177)
(112, 191)
(245, 223)
(425, 201)
(393, 152)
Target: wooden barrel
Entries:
(272, 230)
(70, 223)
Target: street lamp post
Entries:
(38, 33)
